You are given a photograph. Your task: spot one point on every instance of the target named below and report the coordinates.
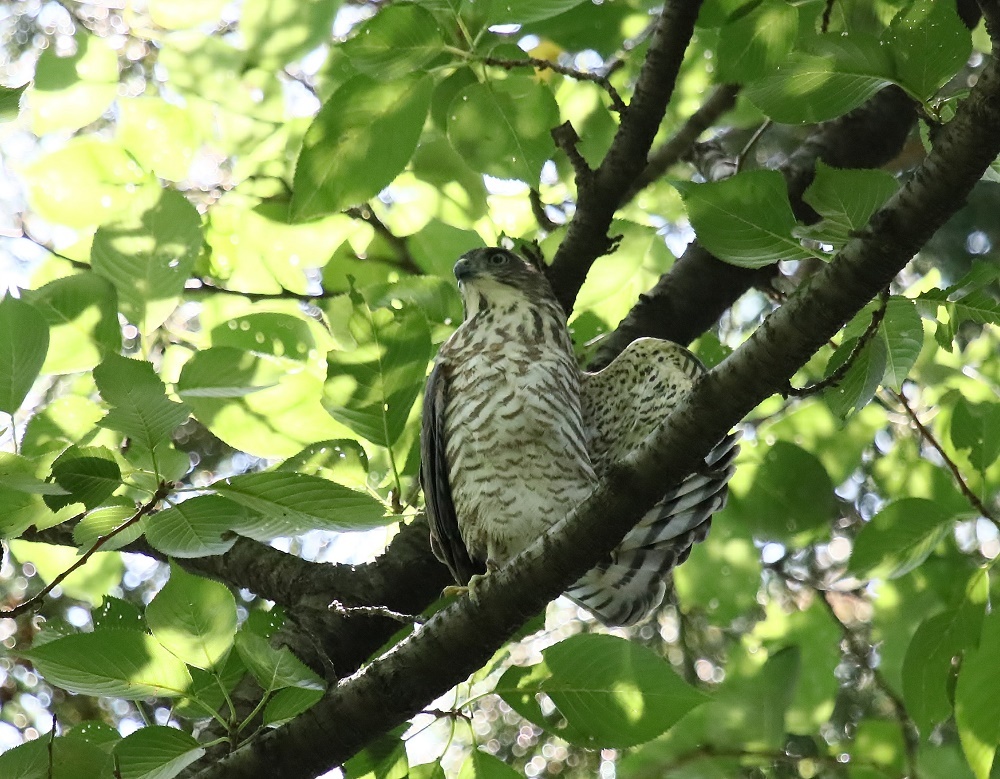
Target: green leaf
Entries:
(24, 342)
(102, 521)
(526, 11)
(278, 31)
(90, 582)
(59, 758)
(156, 752)
(198, 527)
(89, 474)
(121, 663)
(82, 314)
(184, 14)
(791, 494)
(274, 668)
(902, 332)
(194, 618)
(265, 406)
(10, 102)
(161, 136)
(834, 75)
(343, 461)
(360, 140)
(846, 199)
(86, 182)
(371, 385)
(72, 91)
(899, 538)
(295, 502)
(399, 40)
(117, 614)
(383, 758)
(140, 408)
(858, 386)
(288, 703)
(278, 335)
(929, 44)
(752, 45)
(148, 257)
(612, 692)
(977, 702)
(976, 427)
(745, 220)
(481, 765)
(22, 474)
(929, 665)
(503, 127)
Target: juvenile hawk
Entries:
(515, 436)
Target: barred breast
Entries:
(516, 448)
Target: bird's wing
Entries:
(446, 539)
(622, 405)
(627, 400)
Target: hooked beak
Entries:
(463, 269)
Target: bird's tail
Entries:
(624, 589)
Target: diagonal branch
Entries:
(459, 639)
(600, 194)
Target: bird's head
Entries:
(489, 278)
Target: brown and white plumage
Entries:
(515, 435)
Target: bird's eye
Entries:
(497, 259)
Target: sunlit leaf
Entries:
(156, 752)
(148, 257)
(929, 44)
(977, 705)
(274, 668)
(976, 427)
(399, 40)
(24, 342)
(503, 127)
(124, 664)
(360, 140)
(753, 44)
(300, 502)
(745, 220)
(612, 692)
(82, 314)
(140, 407)
(929, 665)
(198, 527)
(899, 538)
(70, 91)
(194, 618)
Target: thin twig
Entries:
(835, 377)
(928, 436)
(538, 211)
(677, 146)
(617, 104)
(748, 146)
(375, 611)
(566, 139)
(205, 286)
(161, 492)
(860, 653)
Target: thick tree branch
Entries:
(694, 293)
(600, 194)
(460, 639)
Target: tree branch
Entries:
(459, 639)
(694, 293)
(599, 195)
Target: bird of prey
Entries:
(515, 435)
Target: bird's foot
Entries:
(469, 589)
